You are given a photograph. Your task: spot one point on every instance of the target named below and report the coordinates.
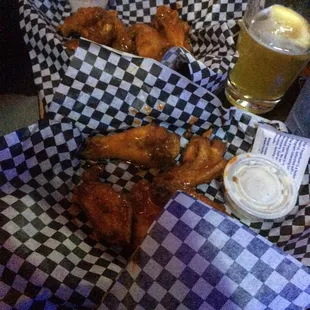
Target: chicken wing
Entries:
(168, 23)
(149, 42)
(72, 44)
(99, 25)
(123, 37)
(202, 162)
(146, 208)
(149, 146)
(83, 17)
(125, 218)
(103, 32)
(145, 211)
(109, 212)
(104, 27)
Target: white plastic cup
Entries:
(258, 188)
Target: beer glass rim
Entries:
(254, 7)
(302, 7)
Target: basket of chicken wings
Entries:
(116, 198)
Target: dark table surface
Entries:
(281, 111)
(15, 65)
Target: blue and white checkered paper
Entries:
(103, 91)
(195, 257)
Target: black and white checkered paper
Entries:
(47, 256)
(103, 91)
(49, 59)
(197, 258)
(213, 28)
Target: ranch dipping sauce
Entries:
(258, 188)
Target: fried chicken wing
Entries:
(92, 173)
(72, 44)
(83, 17)
(109, 212)
(104, 27)
(168, 23)
(123, 39)
(99, 25)
(202, 162)
(149, 146)
(145, 211)
(149, 42)
(103, 32)
(124, 219)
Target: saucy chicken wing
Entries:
(124, 219)
(99, 25)
(149, 42)
(202, 162)
(82, 18)
(109, 212)
(149, 146)
(145, 211)
(168, 23)
(123, 38)
(104, 27)
(72, 44)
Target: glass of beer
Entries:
(273, 46)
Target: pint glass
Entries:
(273, 46)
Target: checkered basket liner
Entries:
(103, 91)
(47, 256)
(197, 258)
(213, 28)
(48, 259)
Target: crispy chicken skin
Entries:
(168, 23)
(149, 42)
(92, 173)
(123, 38)
(102, 32)
(109, 212)
(72, 44)
(150, 146)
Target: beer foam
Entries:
(281, 29)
